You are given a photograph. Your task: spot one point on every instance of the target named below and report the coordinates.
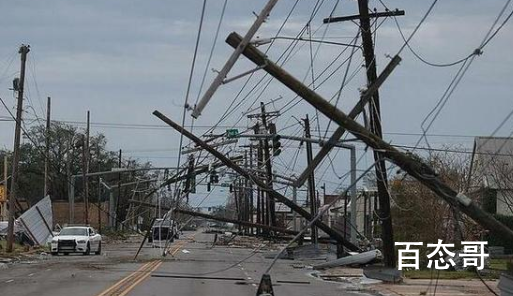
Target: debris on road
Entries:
(357, 259)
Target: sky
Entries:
(121, 60)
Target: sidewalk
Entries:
(411, 287)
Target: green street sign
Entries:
(232, 133)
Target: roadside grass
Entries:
(449, 275)
(20, 249)
(500, 264)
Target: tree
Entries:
(420, 216)
(65, 159)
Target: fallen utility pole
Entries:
(294, 138)
(357, 109)
(24, 50)
(238, 222)
(217, 218)
(408, 163)
(274, 194)
(233, 58)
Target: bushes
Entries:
(497, 240)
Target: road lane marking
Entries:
(123, 280)
(145, 276)
(181, 244)
(9, 281)
(127, 281)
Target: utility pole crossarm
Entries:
(419, 170)
(257, 181)
(389, 13)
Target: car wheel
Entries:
(88, 249)
(99, 251)
(54, 253)
(66, 254)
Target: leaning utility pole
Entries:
(311, 179)
(411, 164)
(223, 73)
(47, 147)
(24, 50)
(258, 182)
(387, 234)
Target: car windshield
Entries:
(73, 231)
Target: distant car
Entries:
(77, 239)
(162, 231)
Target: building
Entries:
(491, 178)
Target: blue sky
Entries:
(123, 59)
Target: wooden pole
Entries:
(274, 194)
(387, 233)
(118, 200)
(271, 211)
(85, 169)
(6, 195)
(311, 179)
(47, 147)
(407, 162)
(24, 50)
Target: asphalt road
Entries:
(192, 267)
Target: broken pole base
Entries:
(266, 286)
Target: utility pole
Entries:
(85, 169)
(47, 147)
(119, 186)
(353, 195)
(264, 218)
(251, 195)
(311, 179)
(411, 164)
(6, 196)
(247, 205)
(222, 74)
(24, 50)
(71, 184)
(274, 194)
(99, 187)
(294, 214)
(387, 234)
(260, 207)
(271, 211)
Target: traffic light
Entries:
(276, 139)
(276, 145)
(214, 177)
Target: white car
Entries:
(77, 239)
